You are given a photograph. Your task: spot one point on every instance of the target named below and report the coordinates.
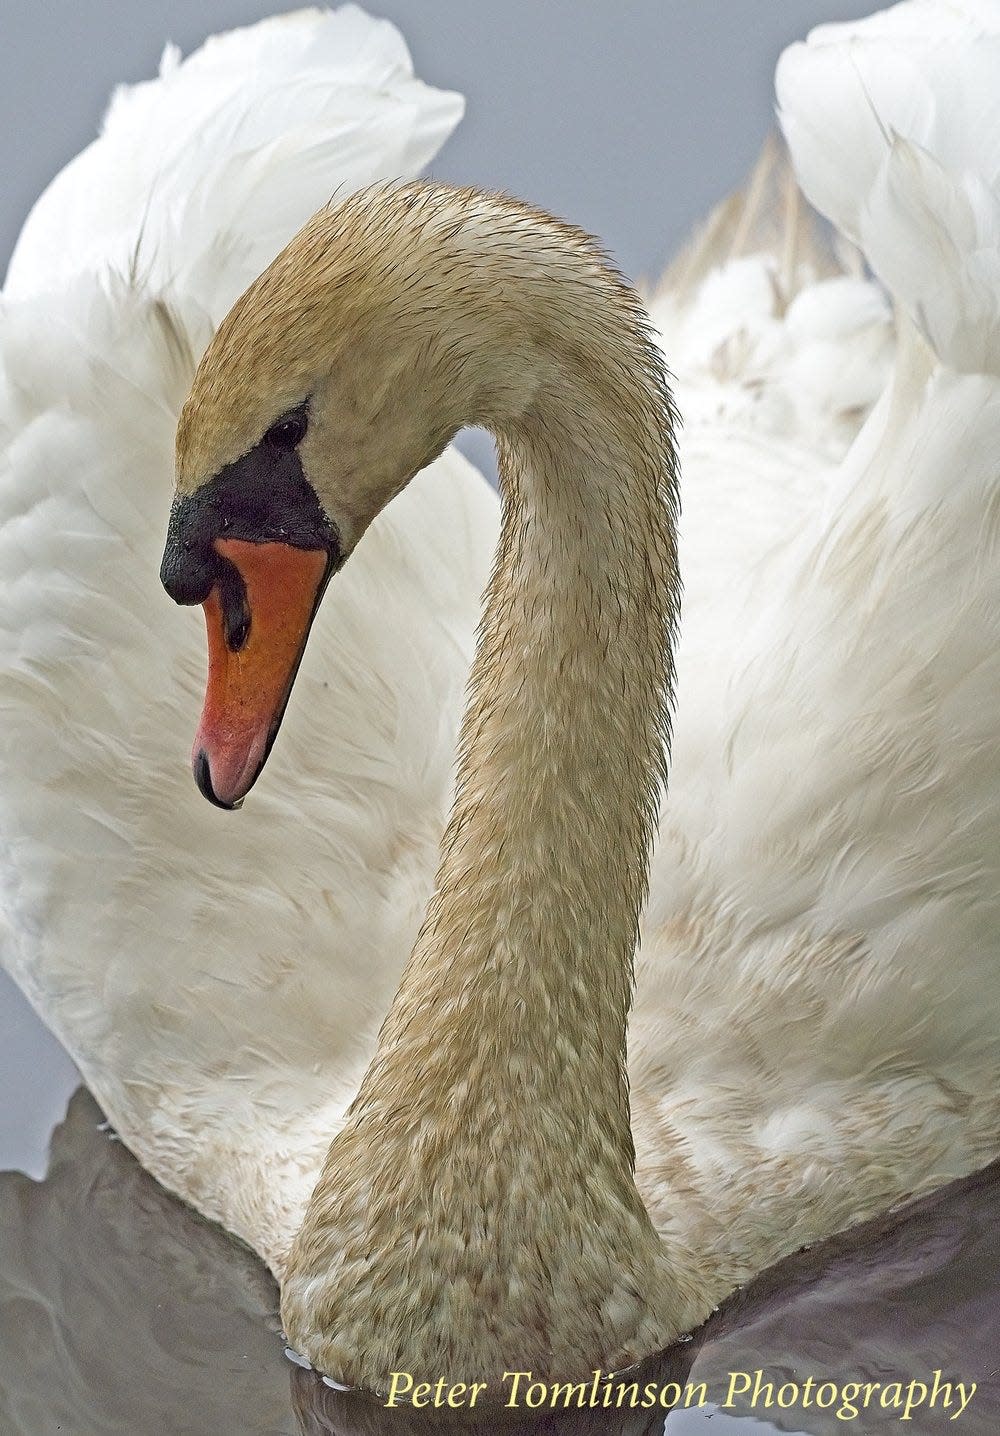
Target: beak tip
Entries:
(203, 777)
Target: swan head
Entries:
(342, 371)
(388, 323)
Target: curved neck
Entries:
(479, 1203)
(525, 957)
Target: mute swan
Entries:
(227, 1081)
(224, 1037)
(802, 1056)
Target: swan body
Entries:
(811, 1036)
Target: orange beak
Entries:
(248, 686)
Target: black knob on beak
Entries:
(189, 569)
(192, 567)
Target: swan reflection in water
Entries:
(121, 1310)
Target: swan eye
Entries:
(288, 432)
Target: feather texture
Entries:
(200, 176)
(821, 947)
(894, 127)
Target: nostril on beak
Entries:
(203, 777)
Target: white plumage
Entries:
(813, 1035)
(220, 1019)
(200, 176)
(894, 127)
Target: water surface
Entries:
(123, 1312)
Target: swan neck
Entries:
(528, 946)
(487, 1164)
